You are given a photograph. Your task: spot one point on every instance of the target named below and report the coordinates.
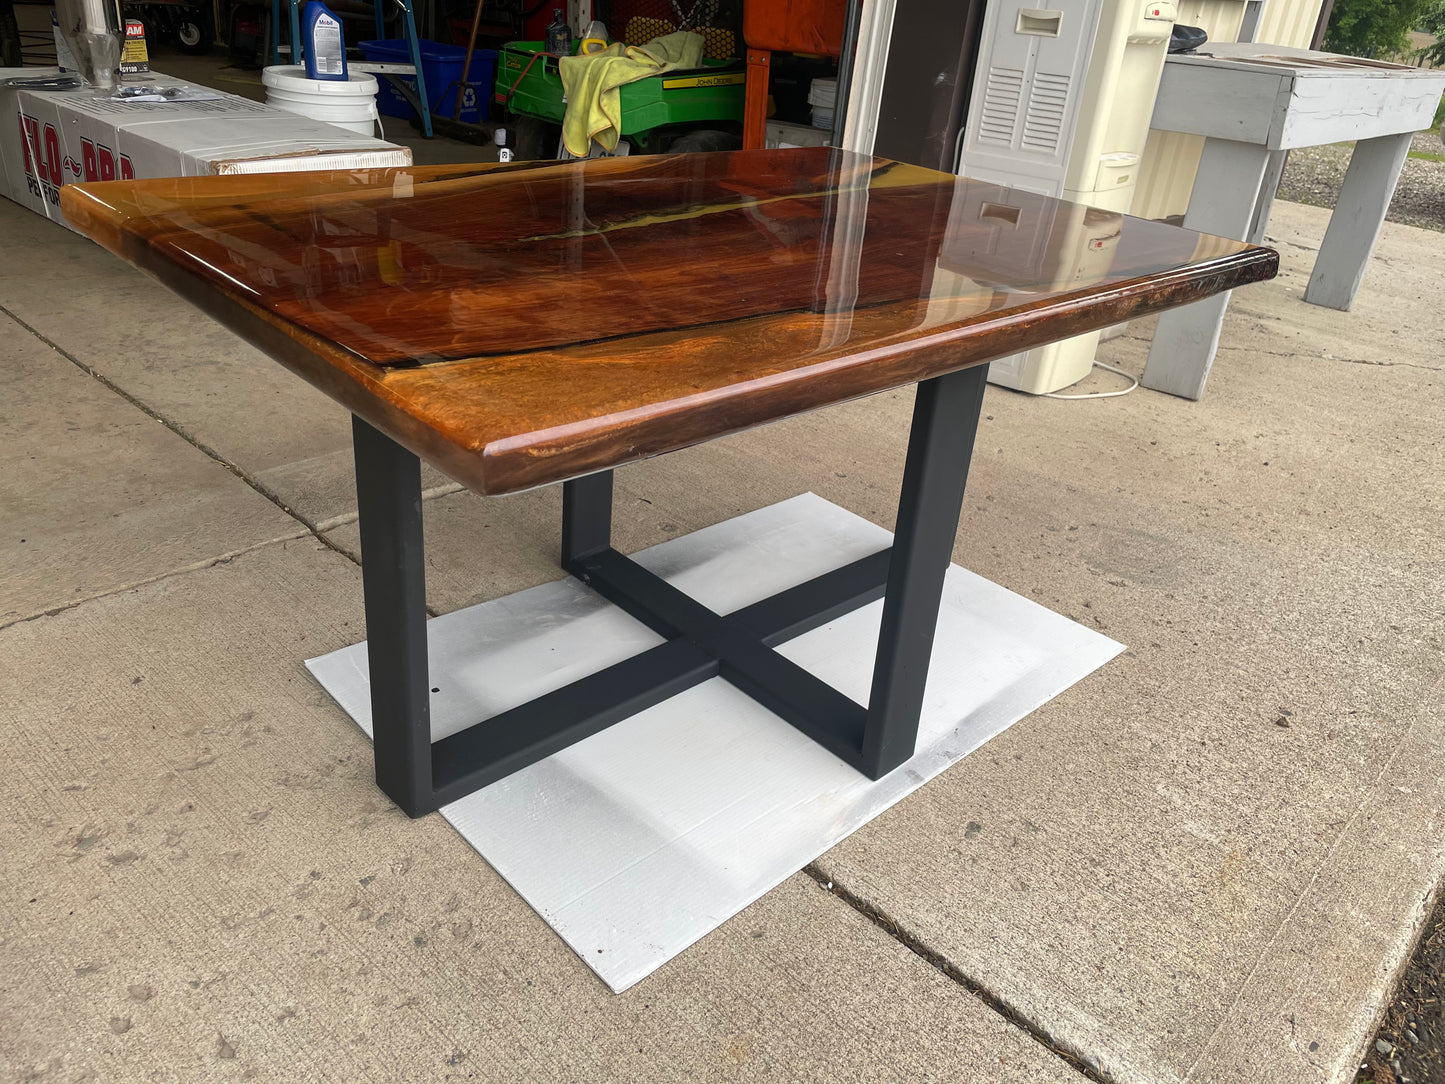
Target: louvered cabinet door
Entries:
(1027, 91)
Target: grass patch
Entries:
(1427, 156)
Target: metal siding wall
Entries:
(1166, 174)
(1289, 22)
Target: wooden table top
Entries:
(523, 324)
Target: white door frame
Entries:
(865, 95)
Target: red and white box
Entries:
(49, 139)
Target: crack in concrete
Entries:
(316, 530)
(1075, 1058)
(1258, 350)
(1387, 364)
(194, 566)
(1270, 946)
(1329, 357)
(1224, 347)
(346, 518)
(155, 415)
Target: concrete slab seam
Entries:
(1076, 1059)
(1267, 950)
(314, 529)
(1292, 244)
(155, 415)
(194, 566)
(446, 489)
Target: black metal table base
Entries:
(420, 775)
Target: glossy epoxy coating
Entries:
(522, 324)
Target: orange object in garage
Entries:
(791, 26)
(795, 26)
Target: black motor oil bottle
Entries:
(559, 35)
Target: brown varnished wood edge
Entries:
(547, 456)
(525, 462)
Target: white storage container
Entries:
(53, 138)
(781, 133)
(822, 96)
(1061, 106)
(823, 92)
(348, 103)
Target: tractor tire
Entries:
(705, 139)
(534, 139)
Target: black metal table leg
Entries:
(699, 644)
(586, 516)
(388, 497)
(945, 420)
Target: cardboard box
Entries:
(53, 138)
(781, 133)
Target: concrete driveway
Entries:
(1206, 862)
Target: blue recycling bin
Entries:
(441, 67)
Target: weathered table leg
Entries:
(1264, 202)
(388, 496)
(1355, 225)
(1225, 191)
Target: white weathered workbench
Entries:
(1252, 103)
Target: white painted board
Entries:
(1282, 98)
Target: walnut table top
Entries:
(528, 323)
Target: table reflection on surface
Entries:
(447, 263)
(527, 323)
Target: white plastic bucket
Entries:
(350, 104)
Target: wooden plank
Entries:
(1335, 108)
(1243, 106)
(1354, 227)
(1320, 98)
(1226, 188)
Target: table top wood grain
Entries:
(523, 324)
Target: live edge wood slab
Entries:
(524, 324)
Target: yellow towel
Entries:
(594, 103)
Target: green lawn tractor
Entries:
(700, 109)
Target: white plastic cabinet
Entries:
(1060, 106)
(1025, 100)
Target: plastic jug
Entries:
(324, 44)
(559, 35)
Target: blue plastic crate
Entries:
(441, 67)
